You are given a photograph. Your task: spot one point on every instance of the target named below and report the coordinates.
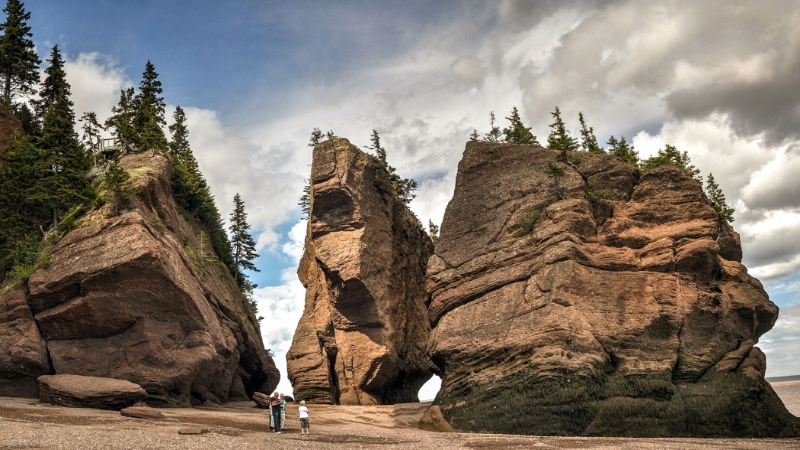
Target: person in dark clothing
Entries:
(276, 404)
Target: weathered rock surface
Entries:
(433, 420)
(262, 400)
(139, 297)
(629, 314)
(141, 410)
(89, 392)
(23, 351)
(362, 337)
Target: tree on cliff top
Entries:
(623, 150)
(19, 64)
(588, 139)
(242, 244)
(191, 191)
(671, 155)
(494, 131)
(148, 117)
(65, 161)
(517, 132)
(403, 187)
(717, 198)
(121, 121)
(559, 138)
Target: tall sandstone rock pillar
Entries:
(363, 334)
(602, 301)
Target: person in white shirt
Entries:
(304, 426)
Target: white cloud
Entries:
(95, 80)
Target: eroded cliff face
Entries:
(363, 334)
(600, 302)
(139, 297)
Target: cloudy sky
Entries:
(718, 79)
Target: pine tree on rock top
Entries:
(242, 244)
(403, 187)
(559, 138)
(121, 121)
(19, 64)
(671, 155)
(494, 131)
(91, 134)
(517, 132)
(623, 150)
(588, 139)
(149, 112)
(717, 198)
(64, 159)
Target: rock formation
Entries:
(362, 337)
(89, 392)
(138, 297)
(601, 301)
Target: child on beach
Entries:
(303, 418)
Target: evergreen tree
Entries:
(19, 64)
(623, 150)
(559, 138)
(179, 144)
(121, 121)
(494, 132)
(717, 198)
(191, 191)
(91, 133)
(66, 162)
(517, 133)
(242, 243)
(316, 137)
(403, 187)
(148, 117)
(433, 231)
(22, 211)
(474, 137)
(671, 155)
(588, 139)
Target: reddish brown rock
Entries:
(262, 400)
(141, 410)
(621, 309)
(89, 392)
(23, 351)
(142, 297)
(362, 336)
(433, 420)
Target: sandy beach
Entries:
(28, 424)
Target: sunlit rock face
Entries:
(595, 301)
(138, 297)
(363, 334)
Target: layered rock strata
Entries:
(362, 337)
(138, 297)
(597, 301)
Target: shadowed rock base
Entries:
(732, 405)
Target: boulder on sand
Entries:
(141, 411)
(89, 392)
(433, 420)
(262, 400)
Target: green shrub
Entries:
(527, 220)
